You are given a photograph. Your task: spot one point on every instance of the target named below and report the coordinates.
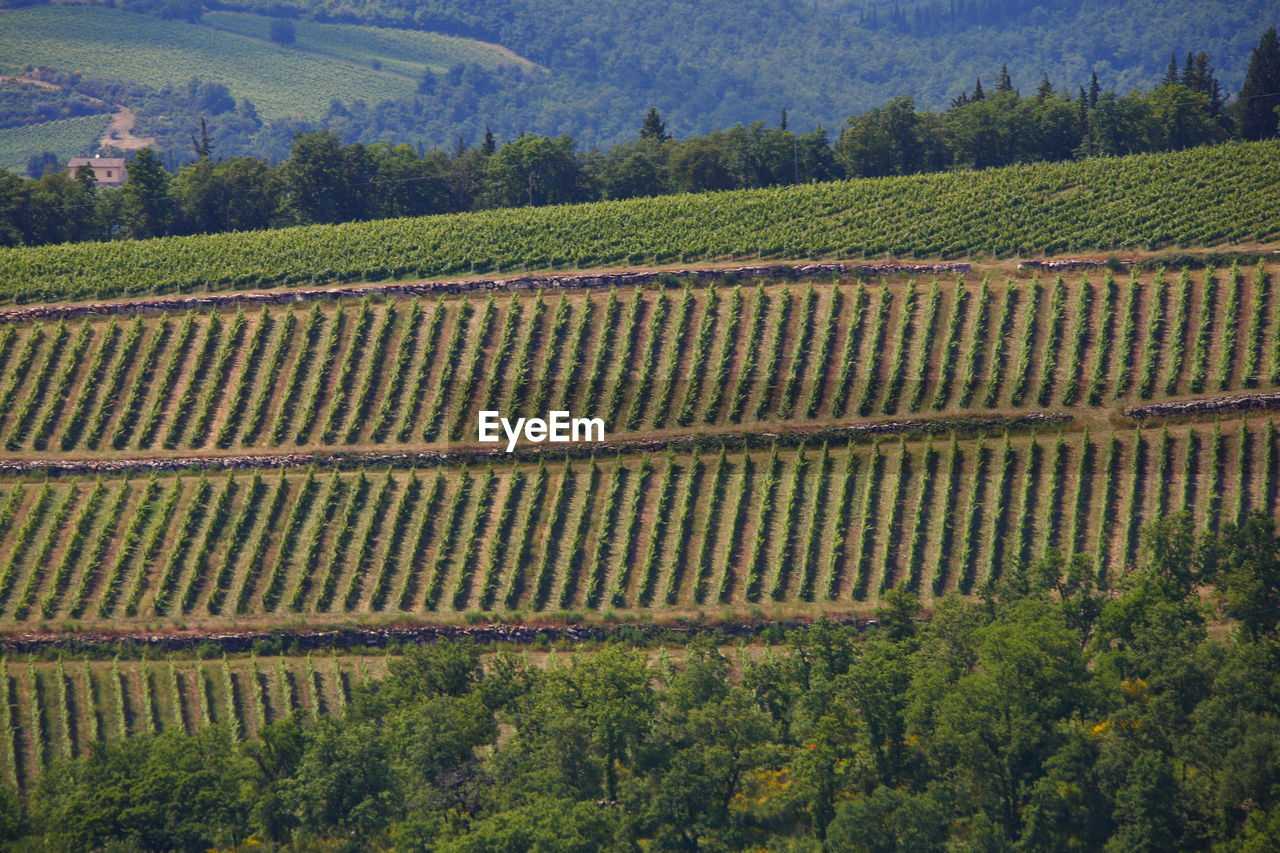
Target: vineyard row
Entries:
(663, 530)
(412, 372)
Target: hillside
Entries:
(763, 380)
(708, 65)
(327, 62)
(68, 137)
(599, 67)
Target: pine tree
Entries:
(1198, 76)
(1094, 90)
(654, 127)
(978, 94)
(488, 146)
(1004, 83)
(1171, 73)
(1045, 89)
(1260, 94)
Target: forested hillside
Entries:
(712, 64)
(416, 73)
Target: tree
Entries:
(700, 163)
(884, 141)
(1004, 83)
(1248, 574)
(1045, 89)
(654, 127)
(202, 145)
(283, 31)
(39, 165)
(1260, 95)
(534, 170)
(998, 721)
(630, 171)
(1180, 117)
(147, 207)
(888, 820)
(170, 792)
(325, 181)
(344, 781)
(405, 184)
(1145, 821)
(1198, 77)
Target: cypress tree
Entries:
(1260, 94)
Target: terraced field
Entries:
(401, 373)
(805, 524)
(831, 525)
(53, 711)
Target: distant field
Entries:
(112, 43)
(1200, 197)
(408, 52)
(67, 138)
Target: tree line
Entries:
(1048, 713)
(324, 181)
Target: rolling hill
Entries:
(327, 63)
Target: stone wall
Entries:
(433, 288)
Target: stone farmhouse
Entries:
(107, 171)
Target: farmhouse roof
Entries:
(105, 162)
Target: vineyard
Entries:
(68, 137)
(825, 524)
(55, 711)
(649, 361)
(1199, 197)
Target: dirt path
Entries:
(119, 133)
(43, 84)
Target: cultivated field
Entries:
(67, 138)
(402, 373)
(835, 526)
(116, 44)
